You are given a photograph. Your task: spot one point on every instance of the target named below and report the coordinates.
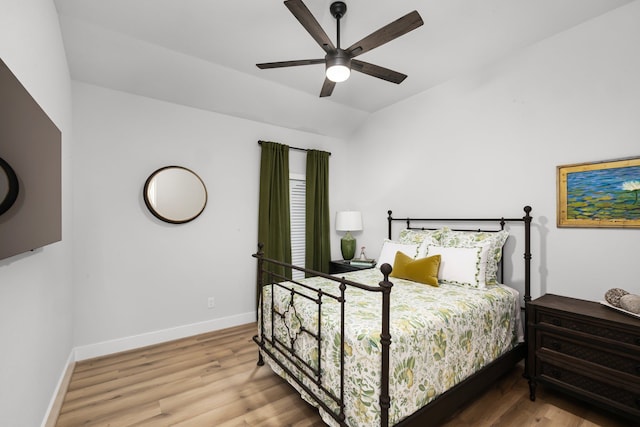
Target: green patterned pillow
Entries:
(419, 236)
(469, 239)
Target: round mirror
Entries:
(175, 194)
(8, 186)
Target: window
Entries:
(297, 200)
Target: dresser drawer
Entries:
(587, 350)
(592, 328)
(600, 355)
(599, 391)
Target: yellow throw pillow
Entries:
(422, 270)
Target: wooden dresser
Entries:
(587, 350)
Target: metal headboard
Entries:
(499, 222)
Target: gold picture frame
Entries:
(599, 194)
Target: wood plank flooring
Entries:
(212, 380)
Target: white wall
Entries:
(35, 288)
(135, 274)
(489, 143)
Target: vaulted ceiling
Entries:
(202, 53)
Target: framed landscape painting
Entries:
(600, 194)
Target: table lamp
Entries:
(348, 221)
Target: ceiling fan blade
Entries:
(377, 71)
(282, 64)
(327, 88)
(391, 31)
(302, 14)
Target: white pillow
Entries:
(462, 266)
(390, 248)
(469, 239)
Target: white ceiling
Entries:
(202, 53)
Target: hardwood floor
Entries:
(212, 380)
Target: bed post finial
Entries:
(386, 270)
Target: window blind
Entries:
(297, 195)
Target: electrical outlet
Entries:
(210, 302)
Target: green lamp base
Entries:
(348, 246)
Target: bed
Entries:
(392, 347)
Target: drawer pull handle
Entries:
(556, 346)
(638, 402)
(557, 374)
(556, 322)
(637, 340)
(638, 369)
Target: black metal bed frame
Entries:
(431, 414)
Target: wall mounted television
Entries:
(30, 143)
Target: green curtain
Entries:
(317, 246)
(274, 229)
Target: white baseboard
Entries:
(129, 343)
(51, 416)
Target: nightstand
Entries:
(342, 266)
(586, 350)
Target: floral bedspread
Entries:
(439, 336)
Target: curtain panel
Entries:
(317, 225)
(274, 228)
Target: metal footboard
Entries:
(284, 348)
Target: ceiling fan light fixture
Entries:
(338, 61)
(338, 66)
(338, 73)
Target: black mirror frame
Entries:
(160, 216)
(14, 187)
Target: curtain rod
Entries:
(293, 148)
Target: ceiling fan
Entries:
(339, 62)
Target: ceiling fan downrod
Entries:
(338, 9)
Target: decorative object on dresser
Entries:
(586, 350)
(348, 221)
(620, 299)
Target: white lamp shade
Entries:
(348, 221)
